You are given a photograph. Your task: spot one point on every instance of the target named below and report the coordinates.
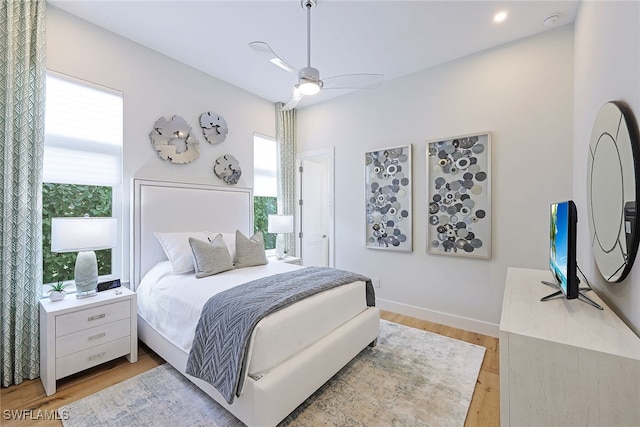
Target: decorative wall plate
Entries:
(173, 141)
(214, 127)
(227, 169)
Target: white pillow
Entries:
(176, 248)
(230, 241)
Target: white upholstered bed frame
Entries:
(169, 206)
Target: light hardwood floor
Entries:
(29, 399)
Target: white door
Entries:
(315, 211)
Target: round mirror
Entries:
(613, 191)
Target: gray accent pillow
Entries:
(250, 252)
(210, 258)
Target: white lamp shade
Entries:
(83, 234)
(280, 224)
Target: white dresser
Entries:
(564, 362)
(76, 334)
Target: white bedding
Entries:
(171, 304)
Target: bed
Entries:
(291, 352)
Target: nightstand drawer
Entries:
(92, 317)
(81, 340)
(91, 357)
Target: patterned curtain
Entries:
(286, 142)
(22, 105)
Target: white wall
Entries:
(522, 93)
(607, 68)
(155, 86)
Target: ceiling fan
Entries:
(309, 82)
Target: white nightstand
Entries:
(76, 334)
(287, 259)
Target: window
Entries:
(82, 173)
(265, 186)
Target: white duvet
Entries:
(171, 304)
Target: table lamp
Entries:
(280, 224)
(84, 235)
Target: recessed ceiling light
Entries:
(500, 16)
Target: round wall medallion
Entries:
(227, 169)
(214, 127)
(613, 191)
(173, 141)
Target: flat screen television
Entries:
(563, 220)
(563, 232)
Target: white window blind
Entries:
(265, 162)
(83, 133)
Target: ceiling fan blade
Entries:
(263, 49)
(293, 101)
(353, 81)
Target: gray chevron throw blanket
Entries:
(221, 341)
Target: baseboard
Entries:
(459, 322)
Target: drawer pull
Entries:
(97, 356)
(96, 317)
(95, 337)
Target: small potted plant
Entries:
(56, 292)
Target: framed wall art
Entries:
(459, 196)
(388, 185)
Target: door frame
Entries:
(329, 154)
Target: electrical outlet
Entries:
(376, 282)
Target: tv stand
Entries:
(581, 295)
(561, 362)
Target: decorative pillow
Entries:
(250, 252)
(176, 248)
(210, 258)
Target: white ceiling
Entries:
(394, 38)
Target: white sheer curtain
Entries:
(286, 142)
(22, 106)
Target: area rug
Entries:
(411, 378)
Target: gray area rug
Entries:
(411, 378)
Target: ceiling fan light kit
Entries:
(309, 82)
